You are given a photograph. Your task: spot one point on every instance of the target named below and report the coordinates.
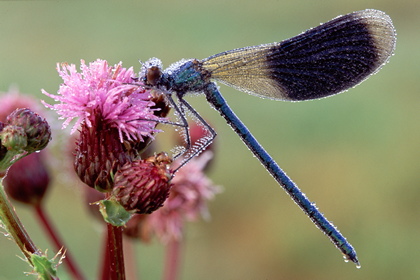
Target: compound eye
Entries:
(153, 75)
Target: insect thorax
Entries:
(185, 76)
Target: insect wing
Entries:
(320, 62)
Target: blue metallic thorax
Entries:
(186, 77)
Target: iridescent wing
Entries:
(320, 62)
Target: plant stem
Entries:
(15, 228)
(58, 243)
(116, 254)
(17, 231)
(172, 260)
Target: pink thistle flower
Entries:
(106, 91)
(113, 116)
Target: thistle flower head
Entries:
(107, 91)
(24, 132)
(36, 128)
(143, 186)
(114, 116)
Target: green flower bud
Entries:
(37, 130)
(14, 138)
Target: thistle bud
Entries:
(143, 186)
(27, 180)
(14, 138)
(37, 130)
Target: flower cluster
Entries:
(116, 118)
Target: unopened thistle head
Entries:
(23, 133)
(142, 186)
(35, 127)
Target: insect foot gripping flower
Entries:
(143, 186)
(113, 116)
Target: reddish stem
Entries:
(116, 253)
(172, 260)
(58, 243)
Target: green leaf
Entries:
(43, 266)
(114, 213)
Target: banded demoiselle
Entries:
(320, 62)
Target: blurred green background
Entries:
(356, 155)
